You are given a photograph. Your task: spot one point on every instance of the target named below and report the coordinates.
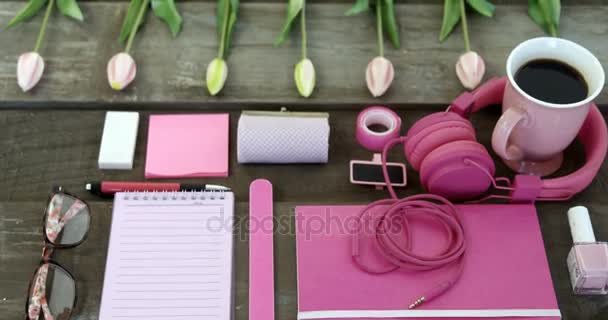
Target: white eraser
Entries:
(118, 140)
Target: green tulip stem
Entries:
(379, 27)
(45, 21)
(465, 26)
(552, 30)
(222, 48)
(303, 30)
(140, 16)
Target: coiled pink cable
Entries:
(399, 253)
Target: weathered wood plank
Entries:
(499, 2)
(172, 70)
(20, 242)
(41, 149)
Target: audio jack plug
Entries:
(435, 292)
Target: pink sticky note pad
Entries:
(191, 145)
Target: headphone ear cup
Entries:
(435, 131)
(460, 170)
(431, 119)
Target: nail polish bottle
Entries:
(588, 259)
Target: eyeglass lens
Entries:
(52, 294)
(67, 220)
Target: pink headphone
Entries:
(443, 148)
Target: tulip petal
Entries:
(30, 67)
(121, 71)
(470, 69)
(379, 75)
(305, 77)
(217, 72)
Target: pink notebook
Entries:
(186, 146)
(506, 274)
(169, 257)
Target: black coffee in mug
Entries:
(552, 81)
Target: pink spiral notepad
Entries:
(169, 257)
(187, 146)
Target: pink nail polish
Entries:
(588, 259)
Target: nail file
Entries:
(261, 270)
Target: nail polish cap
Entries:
(580, 225)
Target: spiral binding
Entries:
(175, 195)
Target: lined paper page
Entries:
(169, 257)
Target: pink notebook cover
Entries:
(506, 274)
(186, 146)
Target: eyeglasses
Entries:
(52, 290)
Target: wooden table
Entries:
(42, 143)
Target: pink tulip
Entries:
(29, 70)
(379, 75)
(470, 69)
(121, 71)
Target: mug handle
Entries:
(502, 132)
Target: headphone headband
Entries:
(593, 135)
(490, 93)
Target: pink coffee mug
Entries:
(531, 134)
